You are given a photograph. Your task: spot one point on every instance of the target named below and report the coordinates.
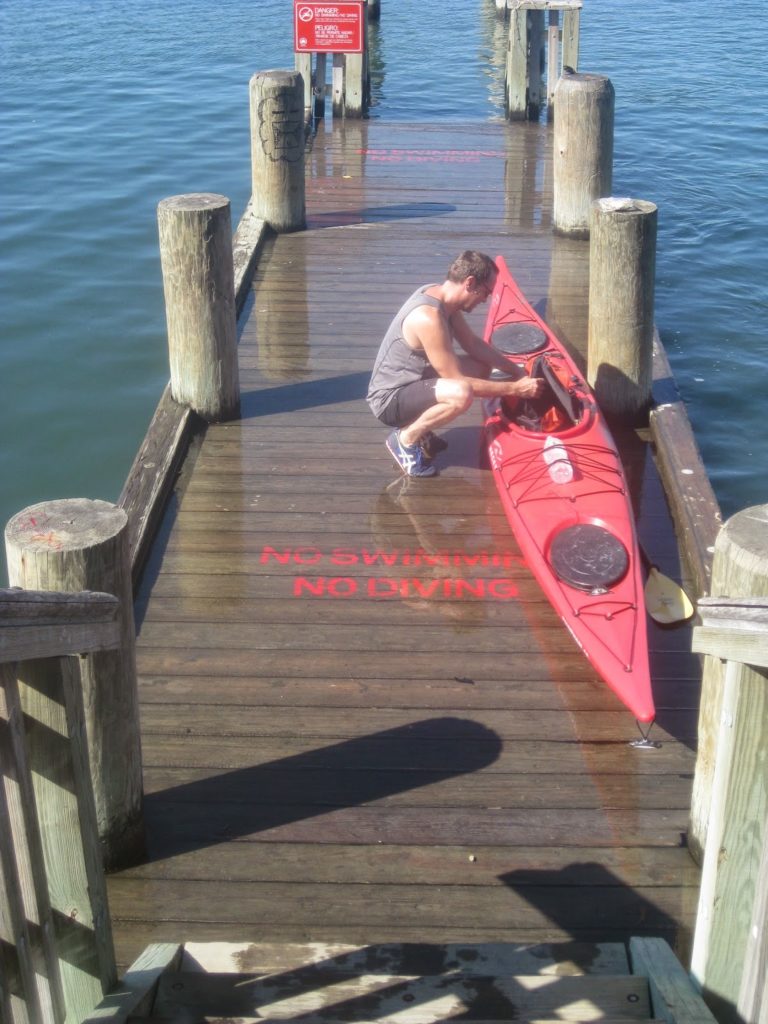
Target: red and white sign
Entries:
(328, 28)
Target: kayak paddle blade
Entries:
(665, 600)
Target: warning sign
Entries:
(328, 28)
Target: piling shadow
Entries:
(586, 900)
(308, 394)
(259, 798)
(378, 214)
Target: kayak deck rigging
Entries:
(589, 463)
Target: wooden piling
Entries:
(582, 149)
(303, 63)
(277, 149)
(570, 37)
(730, 789)
(516, 76)
(198, 279)
(318, 88)
(75, 545)
(622, 265)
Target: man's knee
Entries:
(456, 393)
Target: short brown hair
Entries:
(472, 264)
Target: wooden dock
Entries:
(361, 720)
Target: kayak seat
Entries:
(556, 409)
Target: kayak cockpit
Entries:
(564, 401)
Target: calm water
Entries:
(108, 107)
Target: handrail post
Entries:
(67, 959)
(730, 789)
(74, 545)
(31, 967)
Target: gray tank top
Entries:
(396, 362)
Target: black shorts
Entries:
(409, 402)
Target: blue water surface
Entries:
(108, 107)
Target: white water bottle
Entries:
(556, 458)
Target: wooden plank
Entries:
(694, 506)
(135, 995)
(40, 624)
(474, 865)
(435, 693)
(305, 823)
(537, 755)
(132, 934)
(546, 5)
(341, 788)
(491, 727)
(149, 479)
(673, 997)
(733, 642)
(247, 244)
(735, 629)
(481, 959)
(422, 999)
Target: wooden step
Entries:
(407, 983)
(409, 958)
(337, 996)
(183, 1017)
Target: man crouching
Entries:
(419, 383)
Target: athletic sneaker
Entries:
(410, 458)
(431, 445)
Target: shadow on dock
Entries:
(304, 395)
(263, 797)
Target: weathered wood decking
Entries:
(361, 720)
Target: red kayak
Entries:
(563, 489)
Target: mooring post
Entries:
(730, 788)
(516, 76)
(198, 279)
(277, 149)
(528, 40)
(553, 60)
(583, 149)
(303, 64)
(374, 10)
(622, 268)
(318, 87)
(77, 544)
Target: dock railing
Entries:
(729, 817)
(56, 953)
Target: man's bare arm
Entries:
(429, 331)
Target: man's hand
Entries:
(526, 387)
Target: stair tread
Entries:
(411, 958)
(355, 996)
